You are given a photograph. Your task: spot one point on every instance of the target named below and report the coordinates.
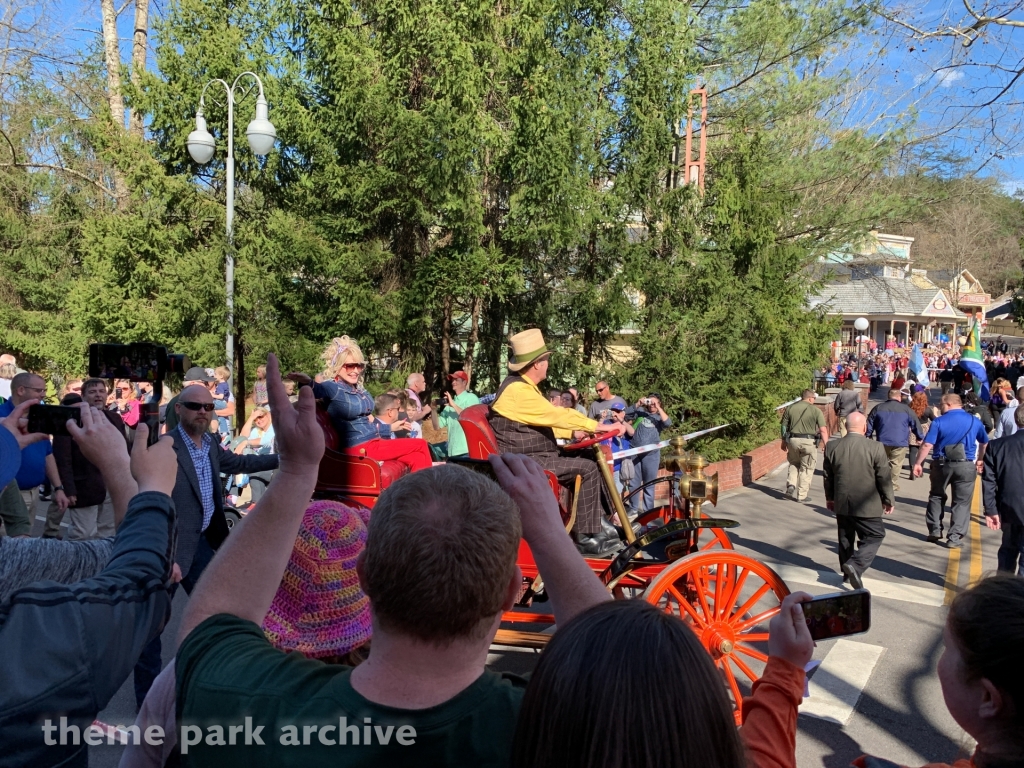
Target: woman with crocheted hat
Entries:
(319, 611)
(351, 409)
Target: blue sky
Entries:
(938, 81)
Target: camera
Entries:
(139, 361)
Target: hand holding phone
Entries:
(838, 614)
(483, 466)
(53, 419)
(788, 635)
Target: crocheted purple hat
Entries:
(319, 609)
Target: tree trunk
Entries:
(139, 45)
(474, 334)
(114, 97)
(446, 339)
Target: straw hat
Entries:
(527, 347)
(319, 609)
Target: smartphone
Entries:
(140, 361)
(483, 466)
(52, 419)
(838, 614)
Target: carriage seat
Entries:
(482, 443)
(349, 471)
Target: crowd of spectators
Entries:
(320, 635)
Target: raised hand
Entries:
(100, 441)
(155, 468)
(524, 480)
(16, 423)
(300, 441)
(788, 635)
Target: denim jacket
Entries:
(349, 408)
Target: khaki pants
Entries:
(92, 522)
(897, 455)
(842, 426)
(803, 457)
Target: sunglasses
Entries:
(354, 366)
(602, 389)
(197, 406)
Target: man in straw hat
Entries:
(524, 421)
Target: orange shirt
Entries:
(769, 716)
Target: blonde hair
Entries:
(222, 373)
(261, 372)
(341, 350)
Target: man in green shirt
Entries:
(439, 568)
(801, 427)
(449, 417)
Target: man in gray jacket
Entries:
(847, 401)
(68, 648)
(858, 488)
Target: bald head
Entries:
(5, 359)
(856, 422)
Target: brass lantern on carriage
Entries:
(694, 485)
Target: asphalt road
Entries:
(875, 693)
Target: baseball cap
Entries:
(461, 375)
(10, 457)
(197, 374)
(616, 407)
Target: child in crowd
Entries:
(221, 397)
(981, 672)
(319, 611)
(259, 389)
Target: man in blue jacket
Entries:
(68, 648)
(893, 421)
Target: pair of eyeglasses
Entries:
(601, 389)
(354, 366)
(197, 406)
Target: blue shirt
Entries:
(957, 426)
(349, 409)
(893, 421)
(33, 457)
(201, 461)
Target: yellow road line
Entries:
(974, 574)
(952, 573)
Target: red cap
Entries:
(459, 375)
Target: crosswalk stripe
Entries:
(837, 684)
(909, 593)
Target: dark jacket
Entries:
(189, 504)
(847, 402)
(893, 421)
(79, 477)
(857, 476)
(1002, 484)
(68, 648)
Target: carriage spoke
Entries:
(687, 608)
(741, 579)
(744, 668)
(731, 678)
(755, 654)
(754, 621)
(752, 601)
(703, 578)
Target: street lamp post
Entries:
(201, 145)
(860, 325)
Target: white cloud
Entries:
(948, 77)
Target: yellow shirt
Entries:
(522, 401)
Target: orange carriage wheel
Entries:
(727, 599)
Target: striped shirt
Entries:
(201, 461)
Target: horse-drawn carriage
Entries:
(675, 557)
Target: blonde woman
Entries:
(351, 408)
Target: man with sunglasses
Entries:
(605, 400)
(199, 500)
(37, 464)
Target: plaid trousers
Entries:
(539, 444)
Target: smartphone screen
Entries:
(483, 466)
(135, 362)
(839, 614)
(52, 419)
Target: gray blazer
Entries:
(857, 476)
(189, 505)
